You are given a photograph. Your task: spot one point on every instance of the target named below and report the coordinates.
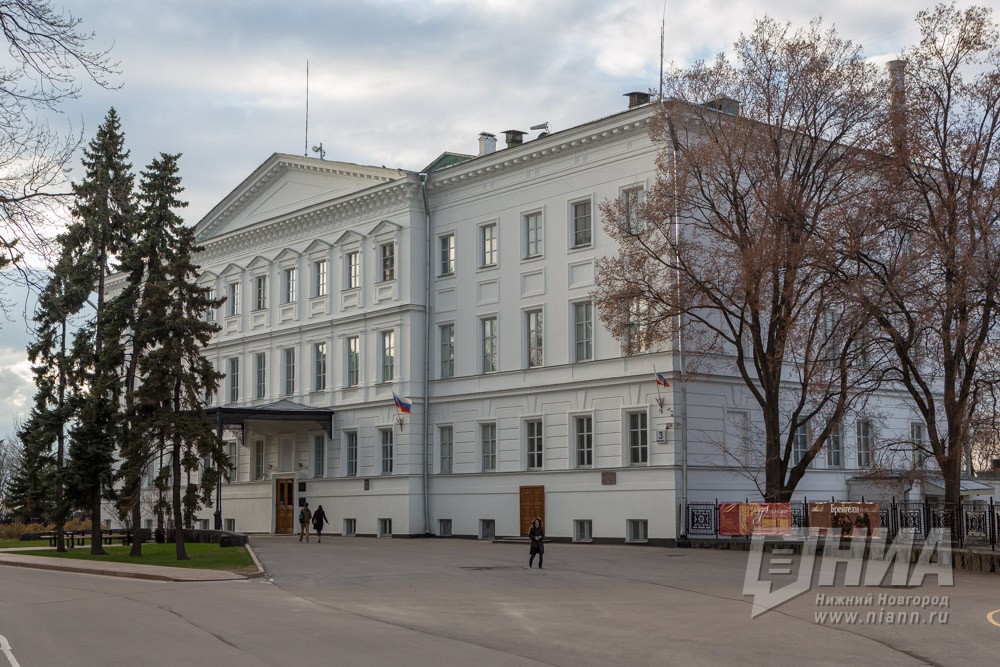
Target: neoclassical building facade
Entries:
(464, 289)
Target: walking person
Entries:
(319, 517)
(305, 516)
(537, 537)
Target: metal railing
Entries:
(973, 525)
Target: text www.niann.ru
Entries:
(880, 617)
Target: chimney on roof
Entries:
(637, 99)
(487, 143)
(514, 137)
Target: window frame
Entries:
(534, 441)
(288, 371)
(583, 441)
(634, 222)
(446, 334)
(260, 292)
(319, 456)
(447, 256)
(487, 446)
(863, 440)
(350, 453)
(260, 375)
(446, 449)
(319, 366)
(289, 285)
(574, 220)
(234, 292)
(353, 362)
(588, 328)
(352, 269)
(233, 378)
(320, 278)
(386, 450)
(387, 261)
(533, 232)
(489, 344)
(387, 340)
(534, 337)
(637, 438)
(489, 245)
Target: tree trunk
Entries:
(96, 546)
(136, 510)
(175, 465)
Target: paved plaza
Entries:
(362, 601)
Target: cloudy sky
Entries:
(391, 82)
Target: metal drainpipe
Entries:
(427, 350)
(682, 525)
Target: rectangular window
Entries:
(581, 224)
(863, 434)
(260, 293)
(447, 350)
(534, 339)
(488, 245)
(532, 235)
(260, 375)
(738, 439)
(387, 255)
(388, 356)
(634, 340)
(488, 438)
(638, 439)
(319, 278)
(800, 444)
(835, 450)
(385, 527)
(487, 529)
(289, 358)
(352, 277)
(234, 299)
(350, 527)
(444, 527)
(919, 440)
(234, 380)
(583, 530)
(231, 453)
(632, 201)
(288, 283)
(489, 340)
(353, 361)
(447, 254)
(638, 530)
(447, 434)
(319, 373)
(351, 448)
(583, 330)
(319, 455)
(584, 442)
(258, 460)
(210, 311)
(533, 433)
(386, 437)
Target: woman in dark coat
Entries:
(318, 518)
(537, 537)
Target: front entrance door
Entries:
(532, 505)
(284, 506)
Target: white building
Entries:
(464, 289)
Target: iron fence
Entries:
(973, 525)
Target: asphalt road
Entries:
(357, 601)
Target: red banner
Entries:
(755, 519)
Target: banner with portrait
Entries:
(844, 519)
(755, 519)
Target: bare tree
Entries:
(930, 249)
(762, 158)
(48, 55)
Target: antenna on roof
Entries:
(663, 23)
(305, 153)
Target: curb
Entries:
(150, 572)
(256, 561)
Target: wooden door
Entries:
(284, 506)
(532, 505)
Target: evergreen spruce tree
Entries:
(104, 213)
(175, 373)
(30, 490)
(63, 295)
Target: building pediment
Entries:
(283, 185)
(348, 237)
(258, 262)
(231, 270)
(385, 227)
(319, 245)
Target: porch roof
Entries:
(283, 410)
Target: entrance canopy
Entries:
(278, 411)
(934, 486)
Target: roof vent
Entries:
(514, 137)
(637, 99)
(487, 143)
(726, 105)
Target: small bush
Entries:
(13, 531)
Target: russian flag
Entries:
(661, 379)
(404, 406)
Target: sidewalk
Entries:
(22, 558)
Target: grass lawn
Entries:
(11, 543)
(204, 556)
